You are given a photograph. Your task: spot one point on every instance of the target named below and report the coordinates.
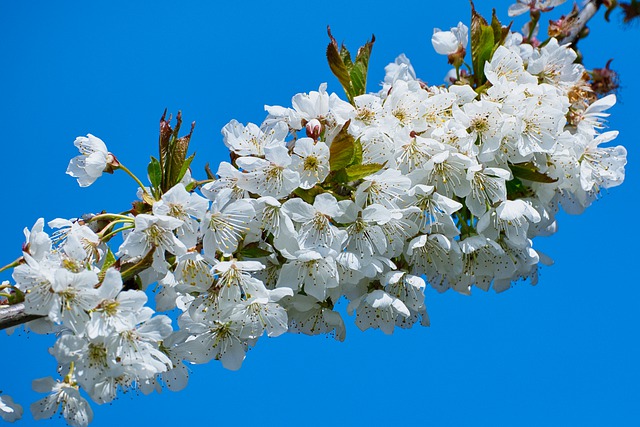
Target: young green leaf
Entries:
(173, 151)
(356, 172)
(185, 167)
(253, 251)
(360, 69)
(351, 75)
(529, 172)
(482, 44)
(496, 26)
(177, 159)
(109, 260)
(16, 297)
(130, 269)
(155, 172)
(309, 195)
(499, 32)
(343, 149)
(338, 66)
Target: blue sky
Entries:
(562, 353)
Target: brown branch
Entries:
(587, 12)
(14, 315)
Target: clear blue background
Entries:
(562, 353)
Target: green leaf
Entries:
(154, 171)
(173, 151)
(253, 251)
(356, 172)
(178, 158)
(482, 43)
(351, 75)
(109, 260)
(357, 153)
(131, 269)
(496, 26)
(185, 167)
(343, 149)
(529, 172)
(207, 169)
(517, 190)
(360, 69)
(165, 135)
(309, 195)
(499, 32)
(338, 66)
(358, 76)
(345, 55)
(16, 297)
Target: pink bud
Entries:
(314, 128)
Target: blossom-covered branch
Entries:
(365, 201)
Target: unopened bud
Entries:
(314, 129)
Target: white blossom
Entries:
(9, 410)
(92, 161)
(75, 408)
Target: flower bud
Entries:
(314, 129)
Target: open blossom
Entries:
(9, 410)
(602, 167)
(314, 271)
(187, 207)
(225, 223)
(311, 160)
(116, 311)
(75, 408)
(260, 313)
(511, 217)
(214, 339)
(311, 317)
(524, 6)
(270, 176)
(92, 161)
(316, 228)
(250, 140)
(378, 309)
(450, 42)
(153, 232)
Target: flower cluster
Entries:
(366, 201)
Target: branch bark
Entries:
(14, 315)
(587, 12)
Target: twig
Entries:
(14, 315)
(589, 10)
